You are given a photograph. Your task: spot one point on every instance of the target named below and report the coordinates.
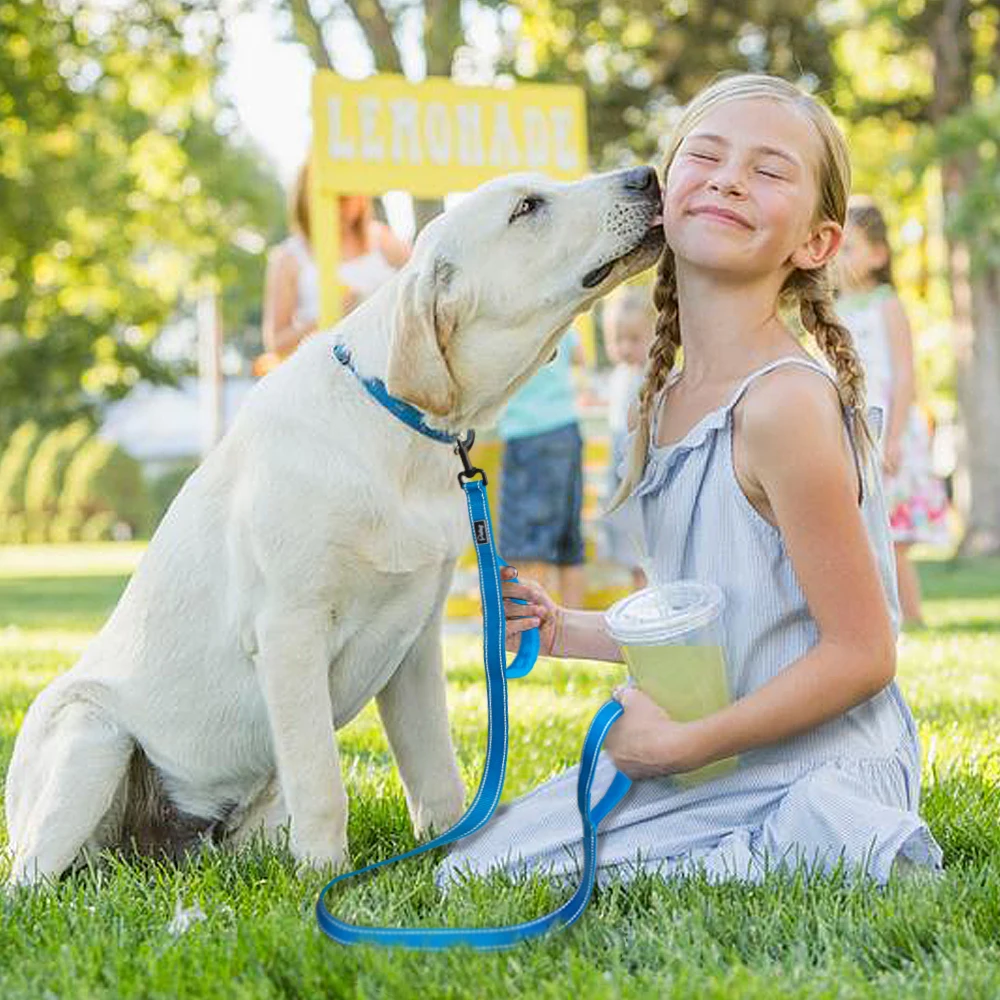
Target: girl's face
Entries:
(352, 207)
(858, 260)
(742, 190)
(630, 340)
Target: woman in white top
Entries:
(370, 253)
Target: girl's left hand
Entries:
(645, 742)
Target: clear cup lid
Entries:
(663, 613)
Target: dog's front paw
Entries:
(434, 816)
(327, 853)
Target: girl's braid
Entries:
(662, 355)
(819, 317)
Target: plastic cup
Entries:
(671, 638)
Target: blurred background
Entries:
(147, 146)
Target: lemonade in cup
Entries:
(671, 638)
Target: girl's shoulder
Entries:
(288, 253)
(793, 399)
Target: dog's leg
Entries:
(414, 713)
(77, 770)
(294, 669)
(267, 818)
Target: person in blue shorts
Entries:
(541, 483)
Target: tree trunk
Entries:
(975, 296)
(975, 291)
(442, 37)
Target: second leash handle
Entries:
(530, 644)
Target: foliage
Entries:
(44, 480)
(970, 136)
(124, 193)
(102, 480)
(14, 462)
(640, 61)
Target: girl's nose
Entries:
(727, 180)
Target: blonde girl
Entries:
(751, 464)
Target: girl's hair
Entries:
(809, 289)
(298, 212)
(866, 216)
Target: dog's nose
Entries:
(641, 180)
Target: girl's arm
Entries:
(395, 251)
(797, 453)
(901, 356)
(281, 331)
(564, 632)
(797, 450)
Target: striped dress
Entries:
(845, 793)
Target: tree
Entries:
(123, 193)
(939, 63)
(312, 21)
(640, 61)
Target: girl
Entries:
(369, 255)
(751, 467)
(629, 321)
(872, 311)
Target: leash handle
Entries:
(530, 644)
(491, 784)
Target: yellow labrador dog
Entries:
(303, 568)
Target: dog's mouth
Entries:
(643, 253)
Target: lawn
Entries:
(109, 933)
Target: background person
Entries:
(370, 253)
(916, 499)
(541, 479)
(629, 324)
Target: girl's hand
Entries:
(645, 742)
(540, 612)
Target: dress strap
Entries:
(845, 410)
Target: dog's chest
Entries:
(378, 633)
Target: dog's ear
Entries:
(424, 322)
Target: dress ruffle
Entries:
(849, 815)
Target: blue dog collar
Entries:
(399, 408)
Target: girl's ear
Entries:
(823, 242)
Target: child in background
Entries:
(629, 322)
(871, 309)
(541, 477)
(752, 466)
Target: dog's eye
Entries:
(528, 204)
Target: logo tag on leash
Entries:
(479, 529)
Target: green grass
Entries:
(105, 933)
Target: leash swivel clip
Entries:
(462, 448)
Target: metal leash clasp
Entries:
(462, 449)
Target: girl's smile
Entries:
(747, 169)
(727, 216)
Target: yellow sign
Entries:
(430, 139)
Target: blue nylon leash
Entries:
(491, 784)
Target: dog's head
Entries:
(496, 280)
